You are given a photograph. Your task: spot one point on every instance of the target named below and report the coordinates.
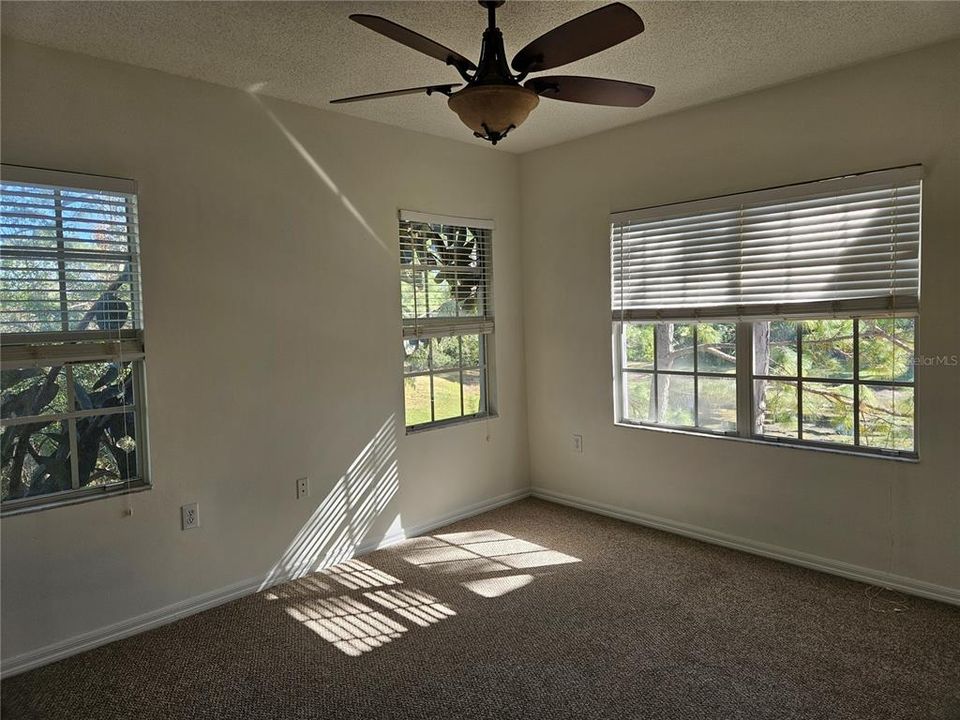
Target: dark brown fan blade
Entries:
(428, 89)
(413, 40)
(578, 38)
(593, 91)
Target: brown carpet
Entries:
(530, 611)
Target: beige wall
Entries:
(272, 320)
(884, 515)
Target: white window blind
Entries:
(844, 246)
(70, 265)
(445, 272)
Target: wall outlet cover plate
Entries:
(303, 487)
(190, 516)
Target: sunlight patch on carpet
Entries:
(497, 586)
(348, 624)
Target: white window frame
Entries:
(620, 389)
(746, 400)
(67, 348)
(428, 329)
(745, 319)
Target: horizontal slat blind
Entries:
(445, 275)
(844, 246)
(69, 256)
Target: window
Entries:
(786, 315)
(680, 374)
(846, 382)
(445, 290)
(71, 329)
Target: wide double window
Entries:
(445, 290)
(787, 314)
(71, 330)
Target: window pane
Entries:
(91, 303)
(106, 449)
(638, 346)
(33, 391)
(887, 349)
(458, 251)
(775, 348)
(471, 350)
(886, 417)
(717, 348)
(456, 286)
(416, 399)
(775, 410)
(102, 385)
(416, 355)
(674, 346)
(30, 290)
(472, 395)
(75, 290)
(415, 241)
(828, 412)
(675, 400)
(639, 398)
(467, 290)
(36, 459)
(413, 294)
(827, 348)
(95, 220)
(17, 202)
(446, 396)
(439, 300)
(717, 403)
(446, 352)
(94, 223)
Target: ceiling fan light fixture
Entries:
(491, 111)
(494, 102)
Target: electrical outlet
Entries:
(578, 443)
(190, 516)
(303, 488)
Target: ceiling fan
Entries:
(494, 101)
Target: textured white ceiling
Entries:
(309, 52)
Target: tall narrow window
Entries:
(446, 296)
(786, 314)
(72, 334)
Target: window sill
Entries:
(453, 422)
(70, 497)
(796, 445)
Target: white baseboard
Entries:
(904, 584)
(167, 614)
